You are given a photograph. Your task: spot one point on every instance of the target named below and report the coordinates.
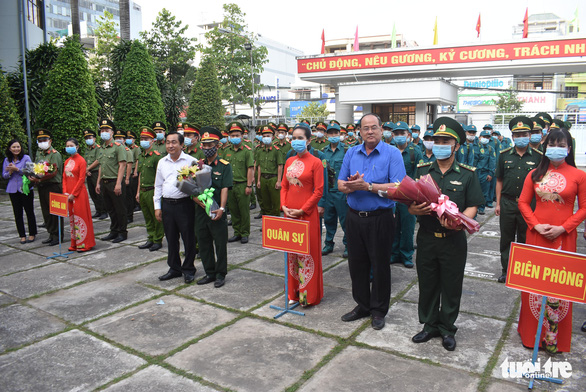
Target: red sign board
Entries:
(549, 272)
(58, 204)
(285, 234)
(527, 50)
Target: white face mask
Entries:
(281, 136)
(470, 138)
(319, 135)
(428, 144)
(342, 137)
(43, 145)
(289, 137)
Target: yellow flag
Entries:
(435, 32)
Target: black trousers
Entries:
(96, 198)
(130, 190)
(115, 206)
(179, 221)
(19, 202)
(51, 221)
(370, 244)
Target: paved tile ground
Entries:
(103, 321)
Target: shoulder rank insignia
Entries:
(276, 148)
(506, 149)
(225, 162)
(217, 173)
(127, 149)
(471, 168)
(116, 143)
(247, 146)
(455, 183)
(424, 164)
(324, 163)
(537, 151)
(156, 152)
(97, 145)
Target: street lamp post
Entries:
(248, 46)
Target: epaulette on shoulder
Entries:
(117, 143)
(225, 162)
(276, 148)
(424, 164)
(127, 149)
(471, 168)
(97, 145)
(537, 151)
(156, 152)
(506, 149)
(247, 146)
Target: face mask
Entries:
(350, 133)
(428, 144)
(71, 150)
(259, 138)
(128, 142)
(90, 142)
(544, 131)
(556, 154)
(267, 140)
(43, 145)
(470, 138)
(187, 141)
(223, 140)
(281, 136)
(442, 151)
(334, 139)
(160, 136)
(245, 137)
(319, 135)
(180, 131)
(121, 141)
(342, 137)
(105, 136)
(210, 152)
(484, 140)
(400, 140)
(494, 137)
(235, 140)
(387, 134)
(535, 138)
(145, 144)
(299, 146)
(521, 142)
(415, 135)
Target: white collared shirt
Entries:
(167, 177)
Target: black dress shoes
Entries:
(96, 215)
(47, 241)
(378, 322)
(258, 216)
(502, 278)
(103, 216)
(155, 247)
(170, 275)
(219, 283)
(109, 237)
(189, 277)
(205, 280)
(449, 342)
(146, 245)
(355, 314)
(244, 240)
(120, 238)
(42, 225)
(54, 242)
(234, 238)
(584, 327)
(253, 206)
(424, 336)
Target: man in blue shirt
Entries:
(367, 169)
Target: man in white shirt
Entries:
(175, 209)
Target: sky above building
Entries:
(299, 23)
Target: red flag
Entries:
(356, 44)
(323, 41)
(478, 26)
(526, 23)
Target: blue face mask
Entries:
(334, 139)
(350, 133)
(160, 136)
(223, 140)
(128, 142)
(544, 131)
(387, 134)
(494, 137)
(299, 146)
(415, 135)
(267, 140)
(535, 138)
(235, 140)
(400, 140)
(556, 154)
(484, 140)
(442, 151)
(145, 144)
(259, 138)
(521, 142)
(187, 141)
(105, 136)
(89, 142)
(71, 150)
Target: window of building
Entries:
(571, 92)
(395, 112)
(34, 12)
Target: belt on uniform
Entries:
(510, 197)
(176, 201)
(367, 214)
(268, 175)
(146, 188)
(440, 234)
(107, 180)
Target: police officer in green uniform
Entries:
(241, 160)
(537, 134)
(91, 157)
(51, 182)
(113, 159)
(147, 171)
(120, 137)
(485, 164)
(161, 130)
(513, 166)
(428, 146)
(416, 137)
(191, 138)
(441, 252)
(335, 207)
(131, 203)
(405, 222)
(281, 139)
(351, 140)
(388, 132)
(320, 140)
(270, 162)
(214, 231)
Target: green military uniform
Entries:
(91, 155)
(111, 155)
(283, 145)
(132, 186)
(241, 159)
(441, 253)
(319, 144)
(268, 160)
(147, 167)
(195, 152)
(159, 145)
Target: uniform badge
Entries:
(455, 183)
(482, 150)
(217, 173)
(520, 124)
(530, 163)
(442, 128)
(324, 163)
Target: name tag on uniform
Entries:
(530, 163)
(455, 183)
(508, 161)
(217, 173)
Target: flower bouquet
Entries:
(39, 170)
(193, 180)
(425, 190)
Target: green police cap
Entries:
(520, 124)
(401, 126)
(545, 117)
(538, 124)
(333, 127)
(557, 123)
(446, 126)
(485, 132)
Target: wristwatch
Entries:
(223, 209)
(370, 186)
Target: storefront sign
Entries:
(529, 50)
(549, 272)
(285, 234)
(58, 204)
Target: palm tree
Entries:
(75, 19)
(124, 19)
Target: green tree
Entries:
(508, 102)
(205, 105)
(69, 102)
(139, 101)
(314, 110)
(10, 122)
(227, 48)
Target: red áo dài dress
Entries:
(80, 214)
(555, 195)
(301, 188)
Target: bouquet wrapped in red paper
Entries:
(425, 190)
